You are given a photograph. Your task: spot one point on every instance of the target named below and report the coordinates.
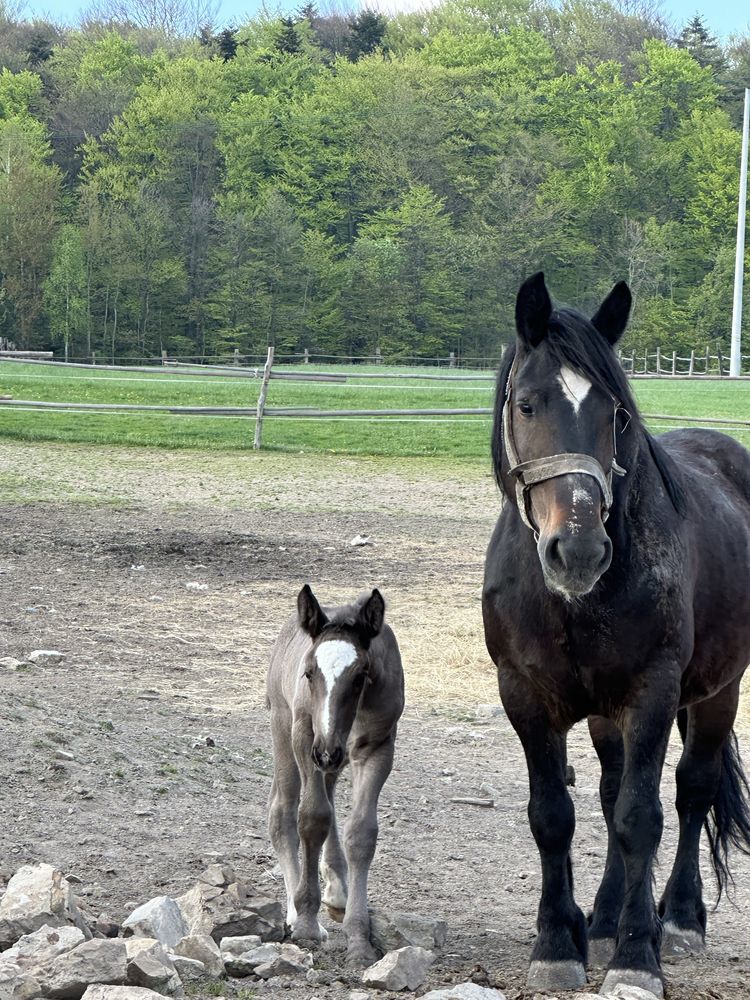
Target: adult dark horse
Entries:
(617, 588)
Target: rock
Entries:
(189, 970)
(404, 969)
(105, 926)
(46, 657)
(231, 912)
(489, 711)
(202, 948)
(37, 950)
(35, 896)
(625, 992)
(390, 930)
(264, 960)
(150, 966)
(359, 995)
(11, 663)
(160, 918)
(103, 962)
(221, 876)
(100, 992)
(466, 991)
(360, 540)
(15, 984)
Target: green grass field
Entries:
(457, 437)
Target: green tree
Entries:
(65, 290)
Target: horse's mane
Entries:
(574, 341)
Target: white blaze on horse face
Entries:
(333, 656)
(575, 387)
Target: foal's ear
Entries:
(310, 615)
(533, 310)
(371, 615)
(611, 318)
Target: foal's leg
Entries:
(369, 774)
(607, 741)
(333, 865)
(704, 728)
(558, 957)
(282, 807)
(638, 822)
(313, 824)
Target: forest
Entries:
(348, 182)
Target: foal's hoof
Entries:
(309, 934)
(360, 955)
(601, 951)
(633, 977)
(548, 977)
(678, 942)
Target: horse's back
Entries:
(711, 462)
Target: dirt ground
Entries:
(97, 552)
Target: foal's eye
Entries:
(309, 673)
(525, 408)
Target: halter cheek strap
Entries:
(539, 470)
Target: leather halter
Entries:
(538, 470)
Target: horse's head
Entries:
(564, 410)
(336, 668)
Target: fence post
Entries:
(93, 357)
(236, 356)
(452, 359)
(378, 356)
(708, 359)
(658, 360)
(691, 369)
(163, 357)
(262, 399)
(674, 362)
(306, 358)
(720, 359)
(632, 362)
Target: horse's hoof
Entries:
(309, 934)
(360, 956)
(681, 941)
(633, 977)
(601, 951)
(548, 977)
(335, 913)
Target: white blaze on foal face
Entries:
(333, 657)
(575, 387)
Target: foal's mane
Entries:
(573, 340)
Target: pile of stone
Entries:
(51, 947)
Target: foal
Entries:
(335, 688)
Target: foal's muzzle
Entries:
(326, 761)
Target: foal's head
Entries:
(336, 668)
(558, 439)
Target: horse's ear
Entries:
(533, 310)
(310, 615)
(611, 318)
(371, 615)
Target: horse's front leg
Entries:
(558, 958)
(638, 823)
(370, 769)
(313, 824)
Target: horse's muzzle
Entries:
(326, 761)
(574, 562)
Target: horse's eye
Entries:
(309, 673)
(525, 408)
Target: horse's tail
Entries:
(728, 823)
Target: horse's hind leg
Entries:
(282, 807)
(333, 865)
(607, 741)
(704, 728)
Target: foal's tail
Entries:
(728, 823)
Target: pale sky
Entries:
(723, 19)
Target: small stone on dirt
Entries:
(99, 992)
(360, 540)
(625, 992)
(390, 930)
(11, 663)
(218, 875)
(194, 585)
(45, 657)
(160, 918)
(404, 969)
(489, 711)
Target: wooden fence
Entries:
(261, 410)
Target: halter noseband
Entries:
(538, 470)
